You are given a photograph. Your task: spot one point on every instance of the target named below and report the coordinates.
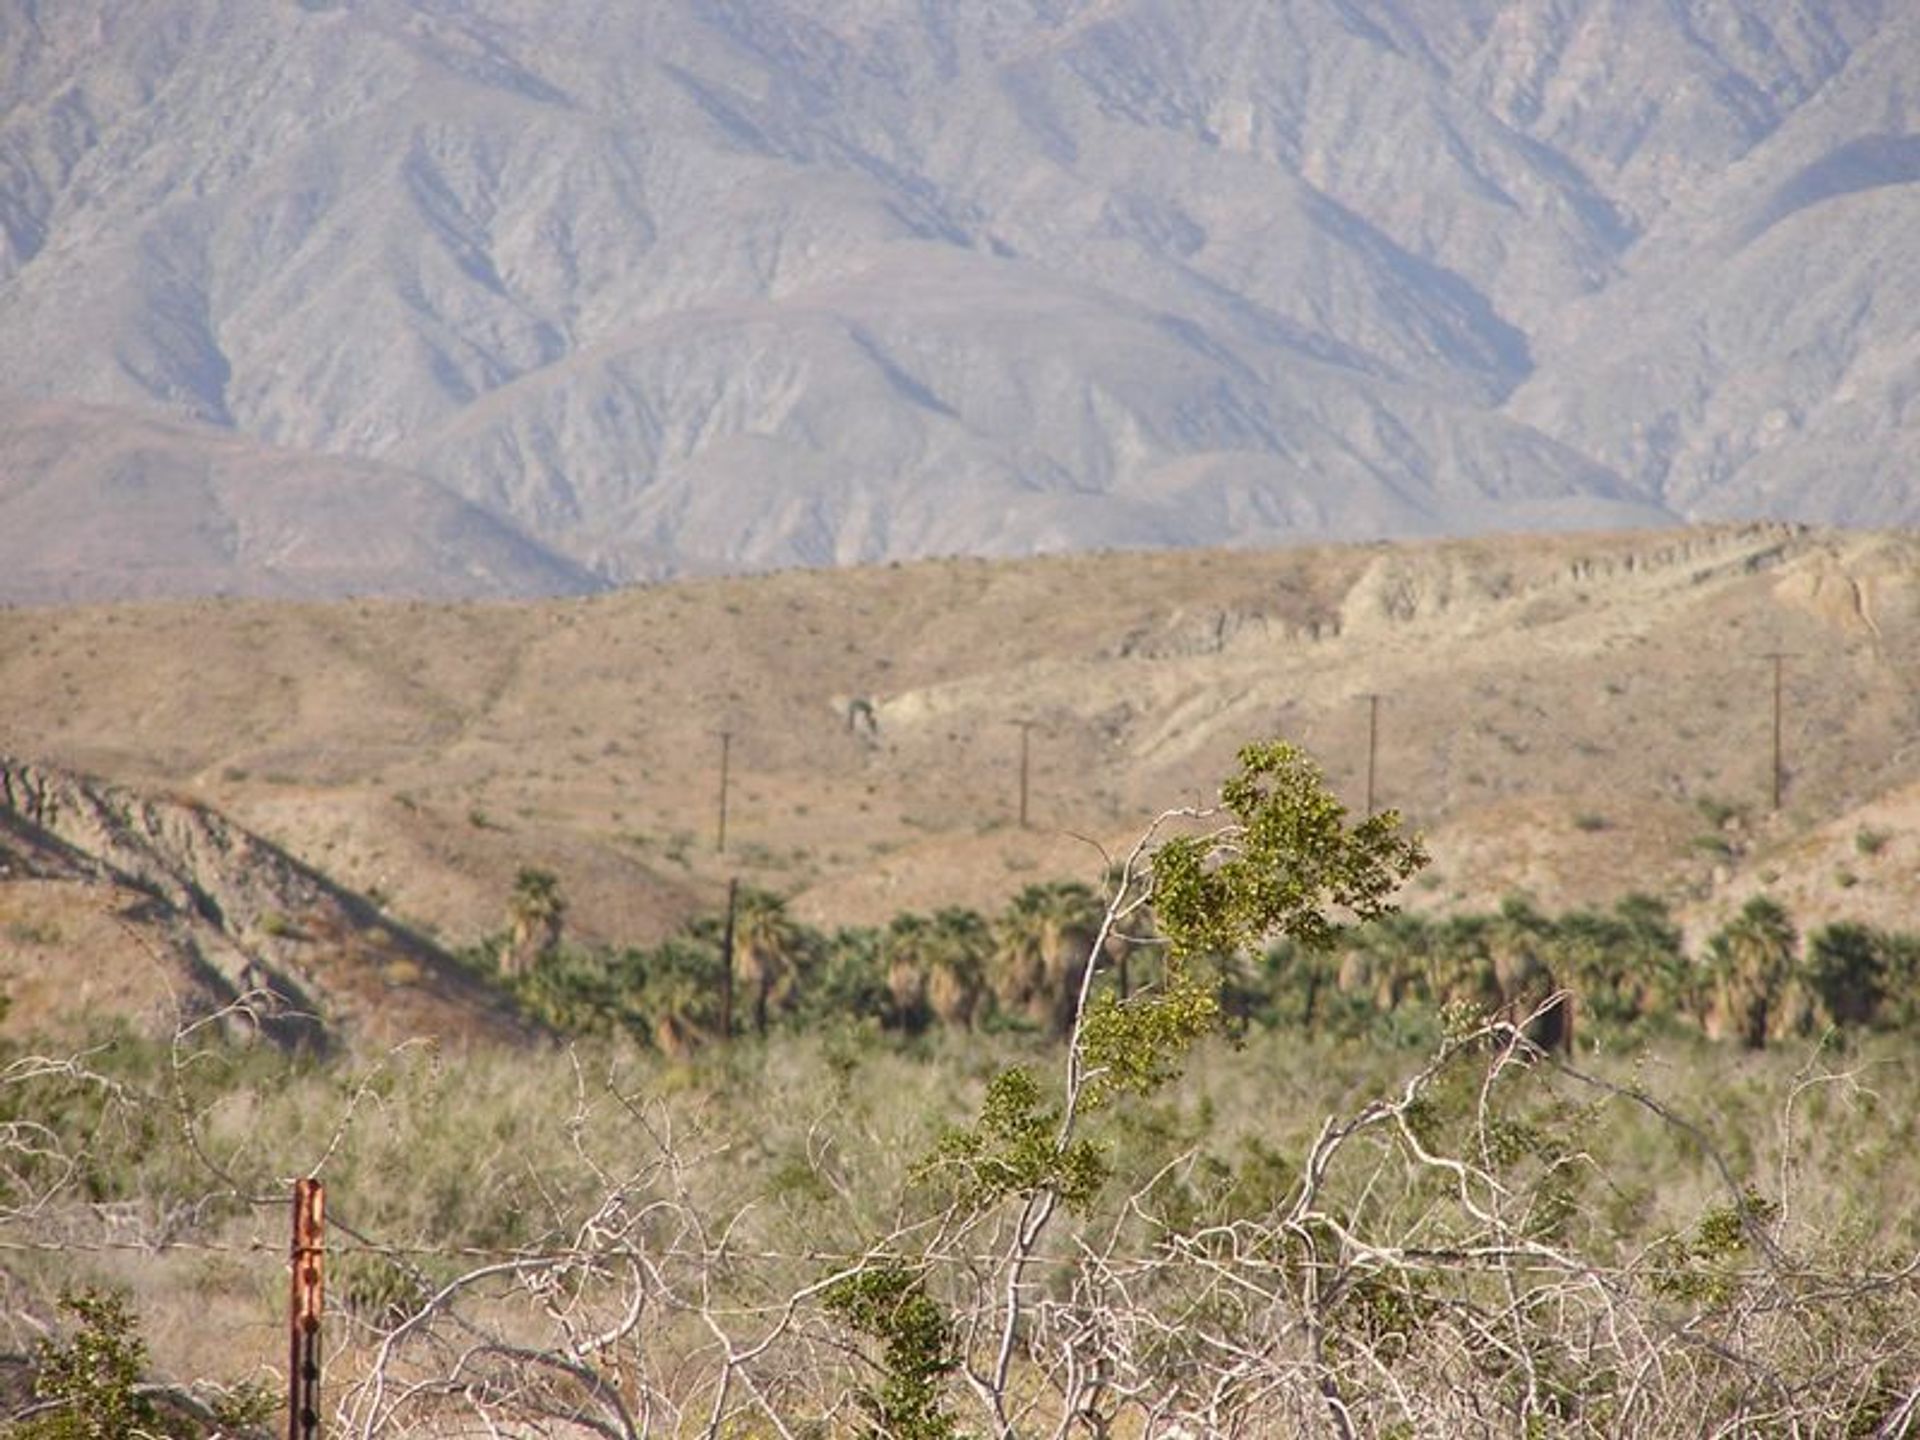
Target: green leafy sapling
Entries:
(1284, 866)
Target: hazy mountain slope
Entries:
(697, 285)
(1765, 356)
(874, 420)
(104, 504)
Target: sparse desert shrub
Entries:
(1262, 1171)
(1717, 812)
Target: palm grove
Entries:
(1625, 970)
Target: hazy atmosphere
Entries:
(916, 719)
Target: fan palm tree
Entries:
(678, 994)
(1847, 970)
(961, 942)
(769, 948)
(1042, 942)
(1530, 995)
(1389, 961)
(535, 911)
(1750, 960)
(1625, 964)
(906, 953)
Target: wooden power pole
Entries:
(1026, 730)
(1779, 659)
(726, 963)
(726, 755)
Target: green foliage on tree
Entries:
(91, 1376)
(1281, 862)
(888, 1302)
(1703, 1267)
(91, 1382)
(1287, 866)
(1015, 1149)
(1294, 868)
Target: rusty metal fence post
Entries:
(303, 1363)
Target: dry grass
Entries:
(804, 1149)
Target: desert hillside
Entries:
(157, 910)
(1573, 718)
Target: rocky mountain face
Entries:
(585, 291)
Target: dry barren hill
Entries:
(687, 287)
(1575, 717)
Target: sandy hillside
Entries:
(1572, 717)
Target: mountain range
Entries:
(483, 297)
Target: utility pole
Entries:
(726, 964)
(1778, 657)
(303, 1360)
(1373, 746)
(726, 754)
(1026, 728)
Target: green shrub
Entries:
(91, 1382)
(888, 1302)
